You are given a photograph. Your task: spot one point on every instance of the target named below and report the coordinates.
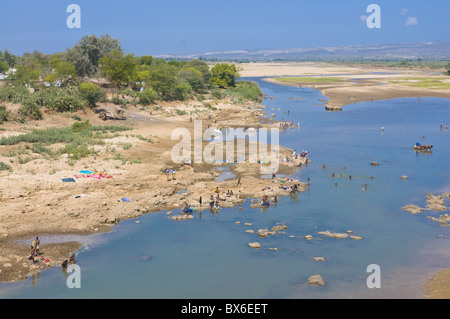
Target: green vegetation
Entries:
(224, 75)
(5, 167)
(311, 80)
(245, 90)
(57, 82)
(429, 83)
(3, 114)
(91, 93)
(447, 69)
(77, 139)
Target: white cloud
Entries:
(411, 21)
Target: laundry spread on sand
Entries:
(44, 260)
(99, 175)
(89, 174)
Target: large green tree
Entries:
(4, 67)
(224, 75)
(163, 79)
(85, 55)
(9, 58)
(120, 69)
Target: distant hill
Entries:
(403, 51)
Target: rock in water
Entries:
(316, 280)
(254, 245)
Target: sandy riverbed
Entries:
(353, 84)
(35, 201)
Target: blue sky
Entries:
(181, 27)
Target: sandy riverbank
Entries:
(353, 84)
(35, 201)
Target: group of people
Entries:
(35, 253)
(71, 260)
(287, 124)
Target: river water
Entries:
(209, 256)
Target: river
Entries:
(209, 256)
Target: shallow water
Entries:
(209, 256)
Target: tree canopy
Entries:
(224, 75)
(85, 55)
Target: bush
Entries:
(182, 91)
(216, 93)
(60, 100)
(91, 93)
(5, 167)
(3, 114)
(245, 90)
(30, 109)
(13, 94)
(147, 97)
(81, 126)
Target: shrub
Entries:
(13, 94)
(61, 100)
(91, 93)
(5, 167)
(30, 109)
(182, 91)
(147, 97)
(245, 90)
(3, 114)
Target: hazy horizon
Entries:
(179, 28)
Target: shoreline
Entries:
(37, 203)
(340, 94)
(139, 178)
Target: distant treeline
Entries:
(419, 62)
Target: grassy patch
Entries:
(5, 167)
(310, 80)
(429, 83)
(77, 139)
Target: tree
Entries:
(9, 58)
(182, 91)
(200, 66)
(447, 68)
(4, 67)
(91, 93)
(224, 75)
(85, 55)
(119, 69)
(193, 77)
(65, 72)
(62, 71)
(145, 60)
(24, 76)
(163, 79)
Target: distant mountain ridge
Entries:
(408, 51)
